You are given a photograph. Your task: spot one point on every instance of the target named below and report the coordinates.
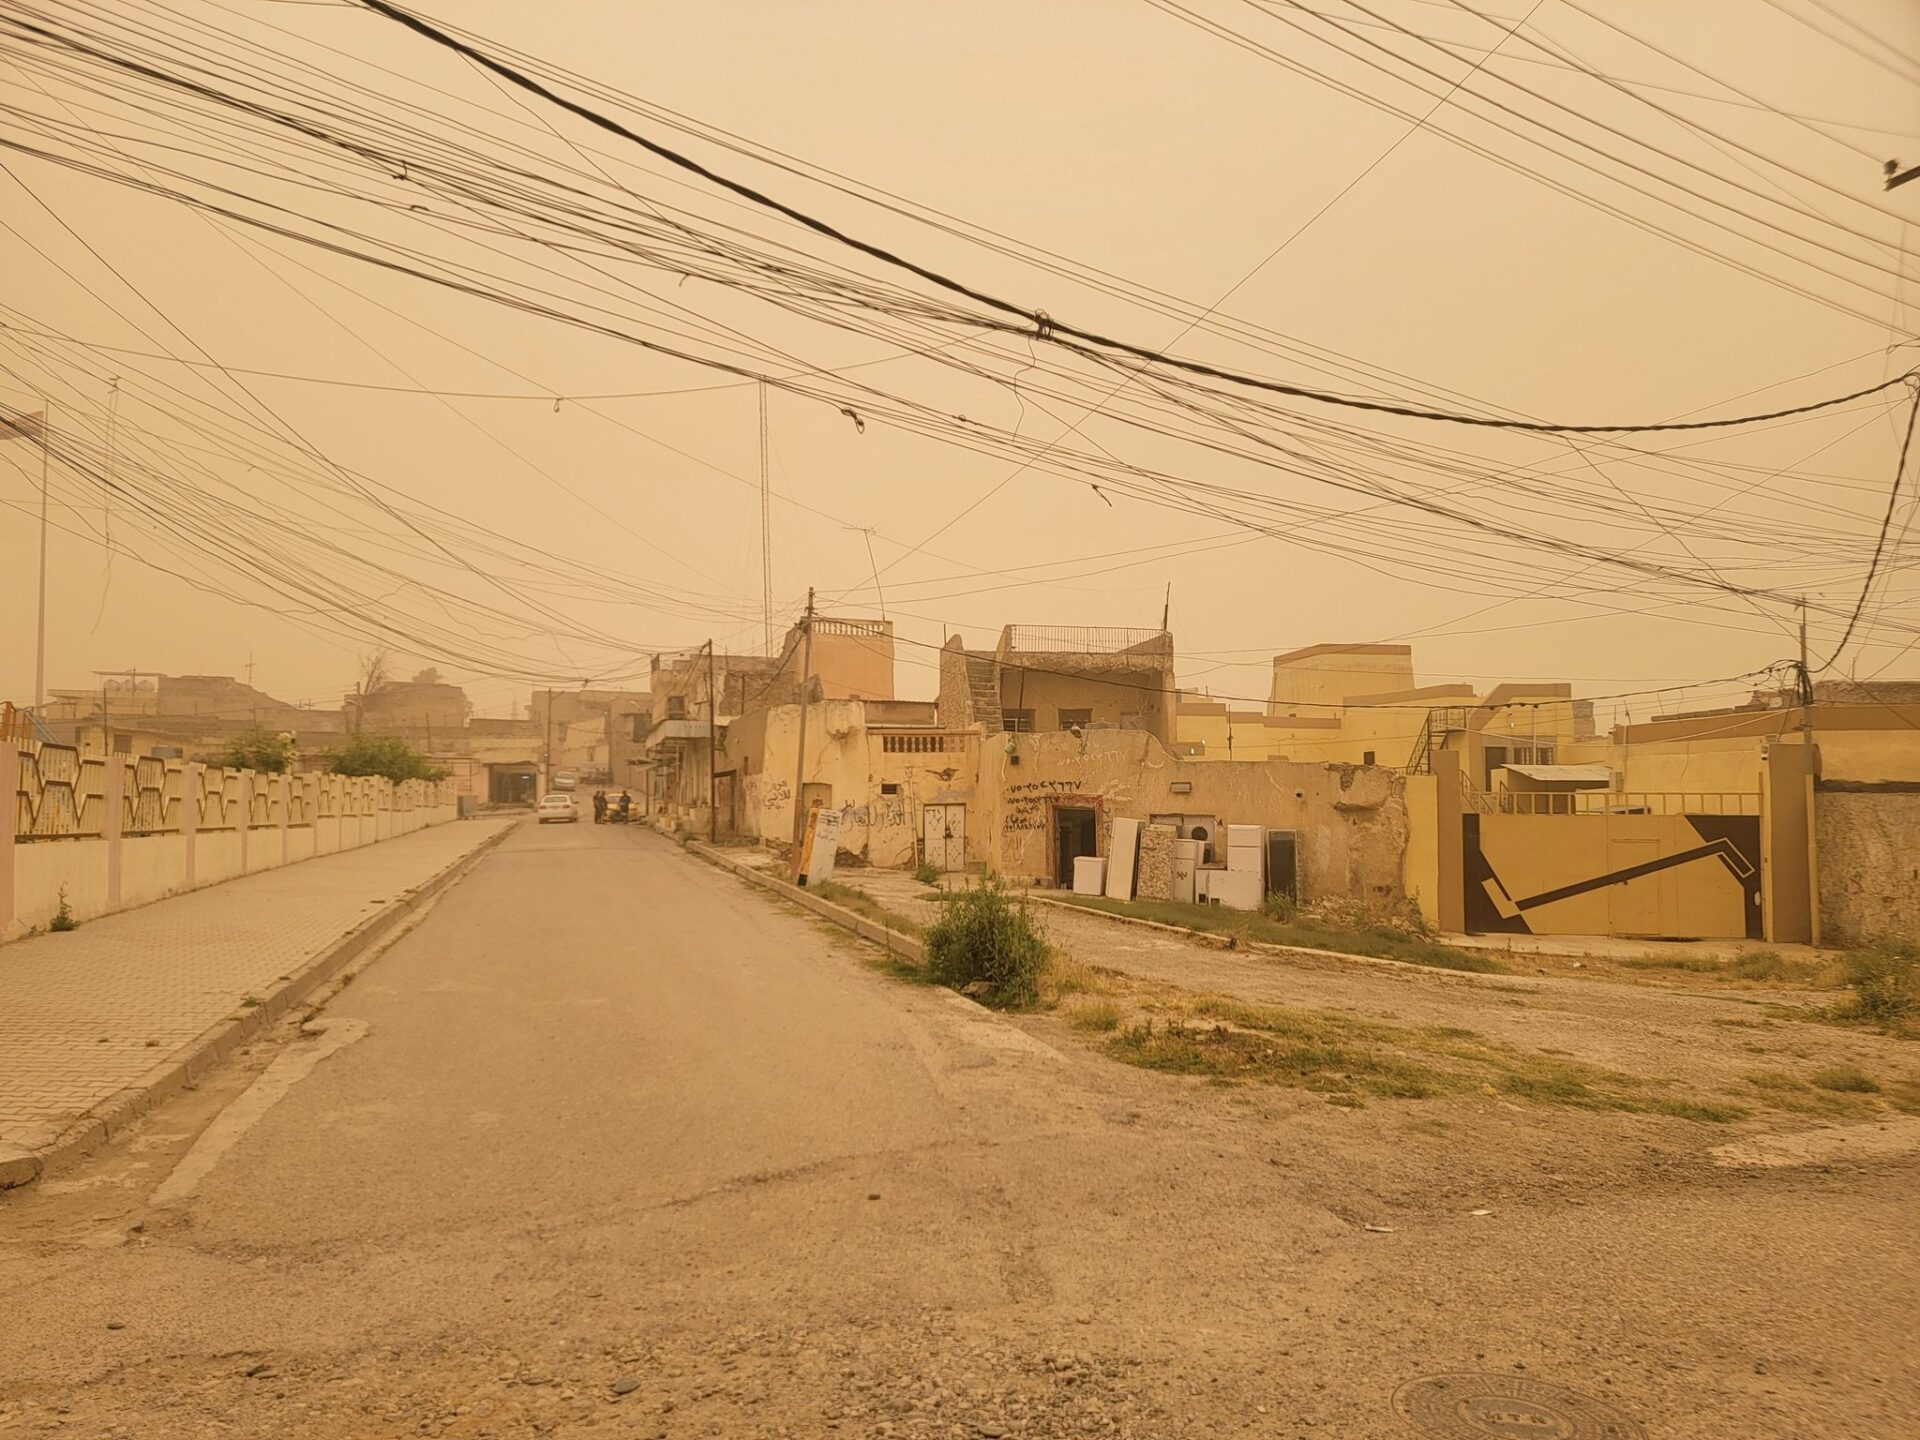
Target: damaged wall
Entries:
(1351, 820)
(879, 779)
(1869, 861)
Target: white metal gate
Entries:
(944, 835)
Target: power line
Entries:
(1045, 327)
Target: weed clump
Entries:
(987, 938)
(63, 918)
(1885, 980)
(926, 874)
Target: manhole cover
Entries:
(1507, 1407)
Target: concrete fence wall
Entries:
(112, 832)
(1869, 861)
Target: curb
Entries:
(1215, 941)
(112, 1116)
(894, 942)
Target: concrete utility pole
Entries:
(1813, 782)
(713, 752)
(546, 779)
(40, 644)
(800, 760)
(766, 528)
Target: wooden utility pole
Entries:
(713, 752)
(800, 757)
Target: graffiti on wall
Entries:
(1026, 803)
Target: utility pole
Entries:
(766, 530)
(800, 758)
(30, 427)
(46, 489)
(713, 751)
(1896, 177)
(1813, 783)
(546, 779)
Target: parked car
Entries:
(558, 807)
(565, 779)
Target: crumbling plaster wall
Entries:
(1351, 820)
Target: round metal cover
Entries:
(1507, 1407)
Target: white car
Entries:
(558, 807)
(565, 779)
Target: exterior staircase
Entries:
(983, 691)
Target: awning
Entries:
(1573, 774)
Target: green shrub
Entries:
(984, 935)
(258, 748)
(63, 917)
(387, 755)
(926, 874)
(1885, 980)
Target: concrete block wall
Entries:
(213, 826)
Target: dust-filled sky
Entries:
(1206, 176)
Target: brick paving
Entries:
(86, 1014)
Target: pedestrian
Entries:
(626, 805)
(599, 806)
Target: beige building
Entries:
(697, 697)
(1042, 678)
(1360, 705)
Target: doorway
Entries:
(1076, 832)
(1283, 863)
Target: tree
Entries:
(258, 748)
(386, 755)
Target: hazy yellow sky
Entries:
(1121, 137)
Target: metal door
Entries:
(944, 832)
(1633, 908)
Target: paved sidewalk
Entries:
(87, 1015)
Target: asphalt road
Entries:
(610, 1144)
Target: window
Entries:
(123, 744)
(641, 722)
(1075, 719)
(889, 789)
(1366, 757)
(1134, 721)
(1019, 722)
(676, 707)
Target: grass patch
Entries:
(1885, 981)
(852, 897)
(1813, 1097)
(1301, 931)
(1349, 1057)
(1759, 967)
(1094, 1015)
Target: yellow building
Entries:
(1359, 705)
